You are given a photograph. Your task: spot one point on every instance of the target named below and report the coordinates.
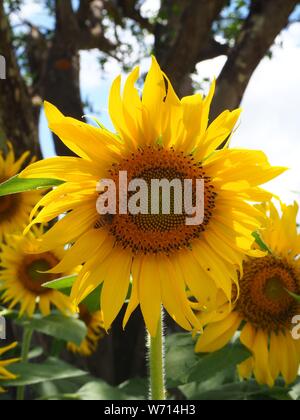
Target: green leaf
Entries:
(51, 370)
(295, 392)
(263, 246)
(180, 358)
(58, 326)
(296, 297)
(17, 185)
(61, 283)
(184, 366)
(97, 121)
(92, 301)
(47, 389)
(137, 387)
(221, 361)
(227, 392)
(99, 391)
(92, 390)
(8, 313)
(35, 353)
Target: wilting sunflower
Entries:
(95, 332)
(159, 137)
(14, 209)
(265, 308)
(4, 373)
(22, 275)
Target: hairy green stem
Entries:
(157, 364)
(27, 336)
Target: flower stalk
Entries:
(157, 364)
(27, 337)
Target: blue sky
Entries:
(270, 119)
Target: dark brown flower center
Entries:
(161, 232)
(32, 272)
(9, 206)
(264, 299)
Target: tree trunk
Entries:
(62, 85)
(17, 115)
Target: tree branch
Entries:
(180, 43)
(121, 9)
(66, 22)
(213, 49)
(90, 29)
(265, 21)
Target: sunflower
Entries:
(95, 332)
(4, 373)
(159, 137)
(14, 209)
(266, 307)
(22, 277)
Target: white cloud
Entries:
(150, 8)
(33, 12)
(30, 9)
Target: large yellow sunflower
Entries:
(14, 209)
(95, 331)
(158, 136)
(21, 276)
(4, 373)
(265, 309)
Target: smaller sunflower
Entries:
(265, 308)
(24, 272)
(4, 373)
(14, 209)
(95, 332)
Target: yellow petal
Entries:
(73, 225)
(261, 359)
(290, 358)
(116, 111)
(92, 273)
(150, 293)
(115, 286)
(275, 355)
(201, 285)
(248, 336)
(218, 334)
(83, 250)
(245, 369)
(173, 294)
(8, 348)
(154, 94)
(91, 143)
(134, 298)
(63, 168)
